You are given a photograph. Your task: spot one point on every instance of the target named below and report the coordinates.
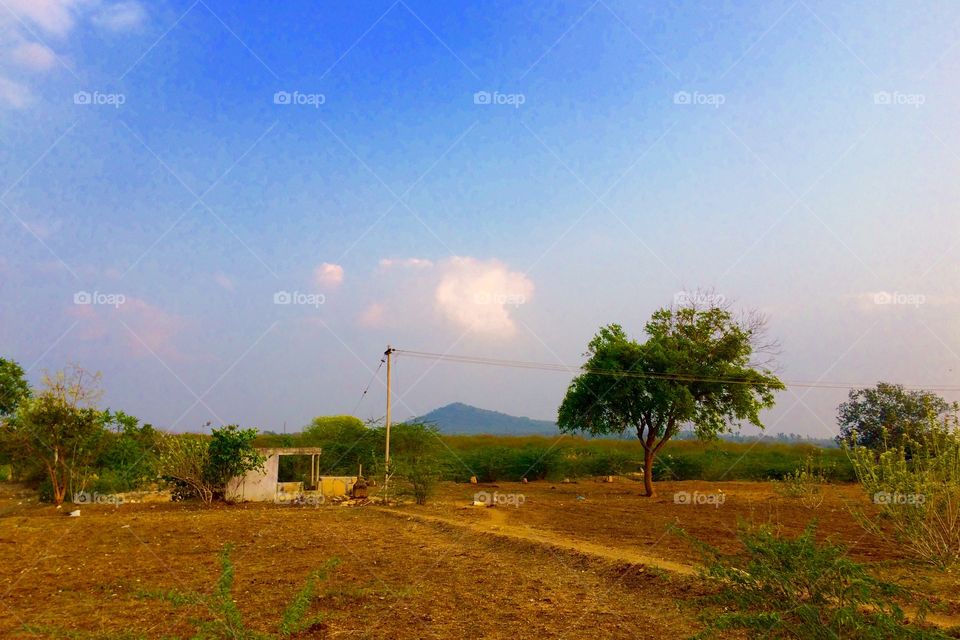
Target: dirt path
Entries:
(496, 526)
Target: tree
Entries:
(231, 454)
(888, 415)
(61, 429)
(695, 367)
(182, 462)
(13, 386)
(202, 467)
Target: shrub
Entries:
(183, 461)
(916, 488)
(805, 483)
(225, 620)
(230, 454)
(794, 588)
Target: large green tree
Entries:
(59, 428)
(888, 415)
(696, 367)
(13, 386)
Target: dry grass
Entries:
(554, 567)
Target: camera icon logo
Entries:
(481, 97)
(882, 297)
(281, 97)
(82, 97)
(682, 497)
(82, 497)
(882, 97)
(82, 297)
(282, 297)
(483, 497)
(681, 97)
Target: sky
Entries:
(230, 210)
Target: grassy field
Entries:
(496, 458)
(554, 560)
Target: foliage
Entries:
(226, 621)
(805, 483)
(917, 494)
(201, 467)
(128, 458)
(794, 588)
(13, 386)
(694, 367)
(230, 454)
(888, 415)
(60, 429)
(183, 461)
(415, 458)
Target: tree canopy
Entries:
(695, 367)
(888, 415)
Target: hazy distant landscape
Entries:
(408, 319)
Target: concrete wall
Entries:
(255, 486)
(262, 486)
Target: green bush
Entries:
(794, 588)
(916, 490)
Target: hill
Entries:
(463, 419)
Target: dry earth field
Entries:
(582, 560)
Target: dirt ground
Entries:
(583, 560)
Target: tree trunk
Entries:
(648, 472)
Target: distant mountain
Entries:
(462, 419)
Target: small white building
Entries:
(263, 485)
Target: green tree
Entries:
(888, 415)
(13, 386)
(231, 454)
(695, 367)
(60, 429)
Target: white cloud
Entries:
(14, 94)
(479, 295)
(328, 275)
(410, 263)
(374, 316)
(34, 56)
(224, 281)
(53, 16)
(122, 16)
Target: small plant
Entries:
(805, 483)
(794, 588)
(227, 620)
(916, 490)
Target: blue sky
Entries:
(796, 157)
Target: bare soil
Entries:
(582, 560)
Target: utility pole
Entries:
(386, 455)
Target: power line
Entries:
(677, 377)
(367, 388)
